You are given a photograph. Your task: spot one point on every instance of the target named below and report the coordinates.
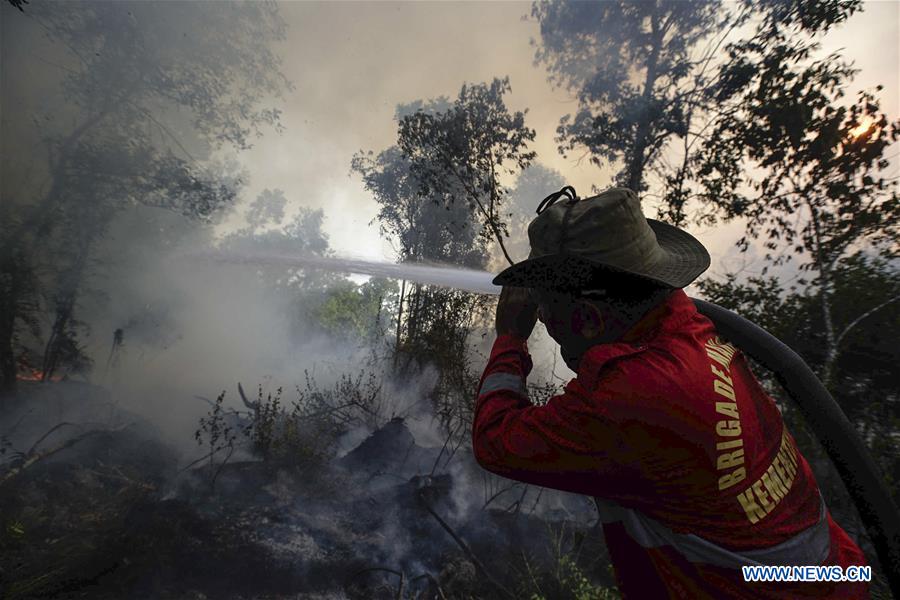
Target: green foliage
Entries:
(566, 577)
(213, 431)
(426, 228)
(161, 57)
(266, 210)
(267, 232)
(575, 585)
(574, 579)
(354, 312)
(439, 188)
(440, 197)
(302, 291)
(762, 300)
(349, 403)
(266, 434)
(437, 333)
(806, 16)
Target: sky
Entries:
(353, 63)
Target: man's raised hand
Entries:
(516, 312)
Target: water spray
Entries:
(467, 280)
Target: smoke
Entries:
(197, 320)
(192, 329)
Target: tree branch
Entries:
(474, 195)
(465, 547)
(251, 405)
(39, 456)
(865, 315)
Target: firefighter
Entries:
(692, 468)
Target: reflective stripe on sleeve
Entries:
(809, 547)
(502, 381)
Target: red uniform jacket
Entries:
(688, 456)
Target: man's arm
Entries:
(567, 444)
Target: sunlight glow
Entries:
(863, 128)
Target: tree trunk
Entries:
(64, 310)
(399, 321)
(65, 306)
(830, 338)
(676, 211)
(7, 353)
(634, 173)
(36, 222)
(412, 327)
(11, 289)
(823, 264)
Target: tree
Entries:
(804, 169)
(426, 228)
(143, 101)
(804, 172)
(267, 210)
(632, 69)
(442, 211)
(461, 153)
(90, 205)
(430, 225)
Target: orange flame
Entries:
(31, 374)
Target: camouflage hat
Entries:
(577, 243)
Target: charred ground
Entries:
(107, 510)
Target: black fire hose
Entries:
(845, 448)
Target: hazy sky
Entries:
(352, 63)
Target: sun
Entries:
(864, 127)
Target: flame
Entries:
(31, 374)
(863, 128)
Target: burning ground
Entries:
(99, 504)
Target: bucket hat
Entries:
(577, 243)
